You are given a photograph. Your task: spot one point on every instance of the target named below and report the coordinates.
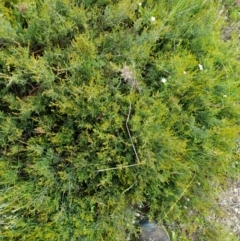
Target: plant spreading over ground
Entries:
(112, 108)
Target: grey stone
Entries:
(152, 232)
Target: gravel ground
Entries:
(230, 203)
(229, 200)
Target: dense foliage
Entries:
(112, 108)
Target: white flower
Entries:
(224, 96)
(163, 80)
(200, 66)
(137, 214)
(184, 72)
(139, 4)
(153, 19)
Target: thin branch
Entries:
(127, 74)
(119, 167)
(129, 134)
(171, 208)
(128, 117)
(128, 188)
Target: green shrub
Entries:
(109, 108)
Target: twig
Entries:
(171, 208)
(128, 117)
(125, 73)
(119, 167)
(128, 188)
(129, 134)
